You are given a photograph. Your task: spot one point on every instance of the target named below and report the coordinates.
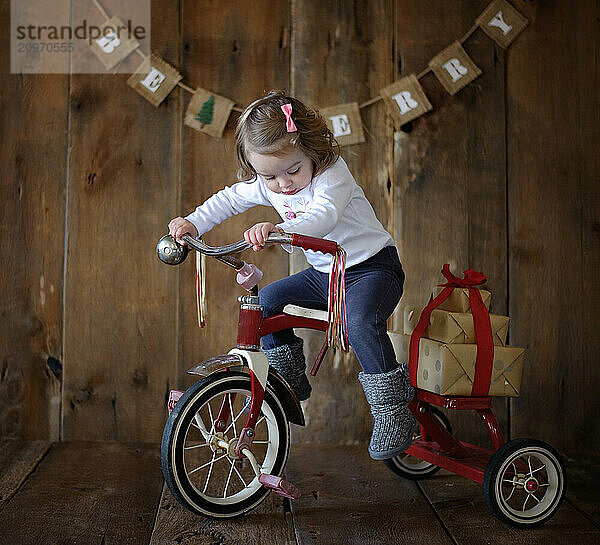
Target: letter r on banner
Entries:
(455, 69)
(405, 102)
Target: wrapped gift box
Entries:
(401, 343)
(454, 327)
(459, 300)
(449, 369)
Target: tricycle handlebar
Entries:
(171, 252)
(235, 247)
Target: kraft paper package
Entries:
(455, 327)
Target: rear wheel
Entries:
(200, 466)
(408, 466)
(524, 482)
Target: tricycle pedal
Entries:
(279, 486)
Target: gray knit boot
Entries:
(389, 394)
(288, 360)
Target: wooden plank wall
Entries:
(32, 189)
(553, 133)
(119, 339)
(501, 177)
(354, 42)
(450, 168)
(240, 58)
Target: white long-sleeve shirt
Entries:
(332, 206)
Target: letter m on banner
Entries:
(405, 100)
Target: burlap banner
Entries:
(405, 99)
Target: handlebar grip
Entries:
(316, 244)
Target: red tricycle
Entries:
(226, 440)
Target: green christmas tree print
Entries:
(205, 115)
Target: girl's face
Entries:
(288, 172)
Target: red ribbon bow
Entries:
(471, 278)
(481, 320)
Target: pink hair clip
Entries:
(289, 122)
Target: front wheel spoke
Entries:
(259, 421)
(525, 502)
(529, 464)
(196, 446)
(212, 418)
(261, 442)
(535, 497)
(198, 422)
(233, 421)
(209, 472)
(210, 463)
(239, 475)
(228, 478)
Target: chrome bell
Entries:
(169, 251)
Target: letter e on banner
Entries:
(405, 100)
(113, 47)
(345, 123)
(154, 79)
(501, 22)
(341, 125)
(454, 68)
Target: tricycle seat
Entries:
(306, 312)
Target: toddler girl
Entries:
(289, 159)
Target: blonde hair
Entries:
(262, 129)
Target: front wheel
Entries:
(201, 473)
(524, 483)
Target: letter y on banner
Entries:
(501, 22)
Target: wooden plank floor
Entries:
(113, 493)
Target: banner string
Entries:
(468, 33)
(235, 108)
(101, 9)
(423, 72)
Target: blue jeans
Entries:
(373, 289)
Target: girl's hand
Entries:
(179, 227)
(258, 233)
